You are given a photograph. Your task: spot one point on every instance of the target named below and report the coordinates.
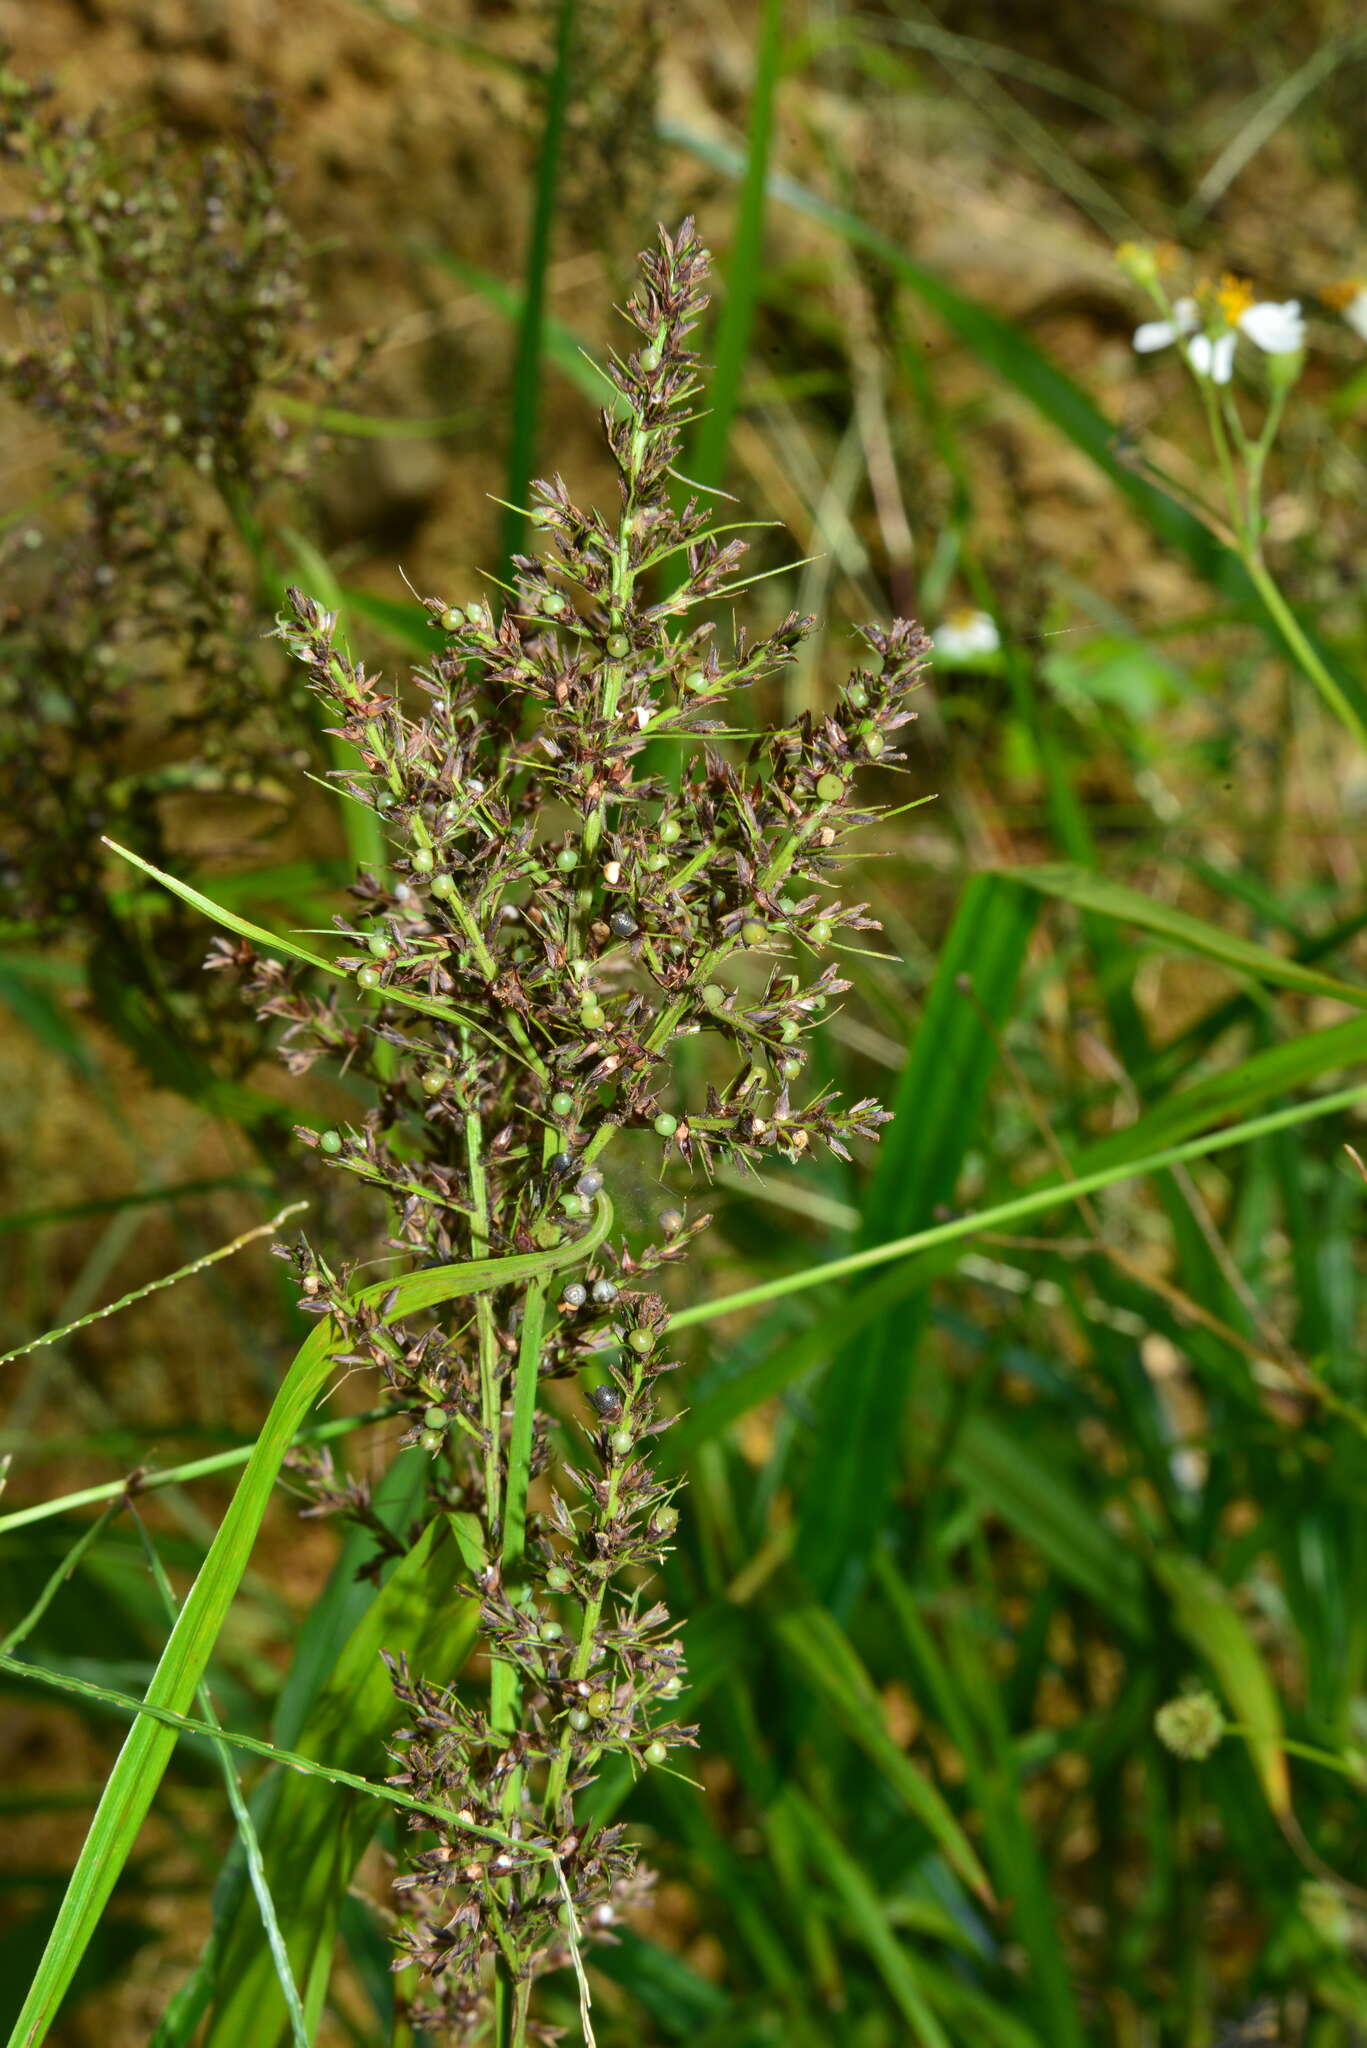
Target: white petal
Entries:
(1213, 359)
(1161, 333)
(1154, 334)
(1276, 328)
(1355, 313)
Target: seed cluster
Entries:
(151, 311)
(591, 861)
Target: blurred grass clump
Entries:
(1023, 1563)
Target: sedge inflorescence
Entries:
(593, 858)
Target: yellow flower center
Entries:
(1234, 296)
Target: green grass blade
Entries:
(313, 1839)
(143, 1759)
(561, 346)
(526, 395)
(831, 1670)
(938, 1104)
(246, 1830)
(706, 460)
(362, 426)
(177, 1475)
(1004, 1214)
(28, 1622)
(868, 1923)
(1092, 892)
(189, 1724)
(1050, 1512)
(399, 620)
(1206, 1615)
(275, 942)
(360, 826)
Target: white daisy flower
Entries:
(1277, 327)
(1350, 299)
(966, 634)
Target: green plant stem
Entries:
(489, 1367)
(1306, 654)
(524, 1416)
(179, 1475)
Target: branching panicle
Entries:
(557, 915)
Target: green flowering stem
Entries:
(1353, 1767)
(486, 1333)
(1305, 653)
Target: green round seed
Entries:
(552, 603)
(561, 1103)
(671, 1221)
(566, 859)
(599, 1703)
(820, 932)
(671, 832)
(435, 1418)
(656, 863)
(830, 788)
(713, 995)
(671, 1687)
(369, 977)
(622, 1441)
(379, 945)
(619, 647)
(753, 933)
(331, 1142)
(874, 743)
(557, 1579)
(650, 357)
(432, 1439)
(450, 620)
(695, 681)
(665, 1124)
(443, 885)
(551, 1631)
(578, 1720)
(475, 614)
(423, 861)
(857, 695)
(790, 1069)
(666, 1520)
(433, 1081)
(656, 1753)
(641, 1341)
(790, 1032)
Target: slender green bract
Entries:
(147, 1751)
